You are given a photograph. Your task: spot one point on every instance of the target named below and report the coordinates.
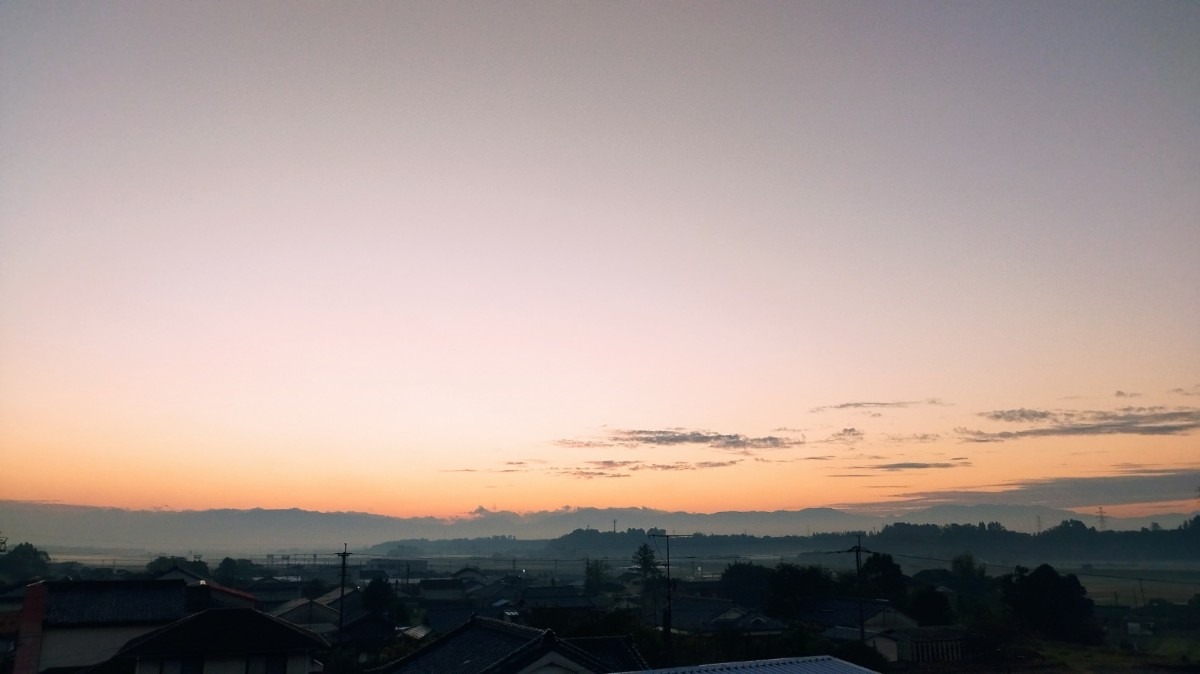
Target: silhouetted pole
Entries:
(862, 630)
(667, 645)
(342, 601)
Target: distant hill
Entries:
(216, 532)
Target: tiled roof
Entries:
(841, 612)
(562, 597)
(92, 602)
(705, 614)
(817, 664)
(441, 584)
(931, 633)
(446, 618)
(334, 596)
(617, 653)
(484, 645)
(229, 631)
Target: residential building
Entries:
(232, 640)
(70, 624)
(484, 644)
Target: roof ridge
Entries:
(511, 628)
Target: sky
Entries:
(417, 258)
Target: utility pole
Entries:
(342, 601)
(670, 591)
(1100, 514)
(862, 630)
(858, 550)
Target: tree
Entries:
(792, 587)
(596, 574)
(929, 607)
(227, 571)
(964, 567)
(747, 584)
(378, 596)
(646, 561)
(24, 562)
(884, 579)
(163, 564)
(1052, 605)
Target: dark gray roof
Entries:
(487, 646)
(445, 618)
(93, 602)
(560, 597)
(817, 664)
(618, 654)
(930, 633)
(840, 612)
(706, 614)
(224, 631)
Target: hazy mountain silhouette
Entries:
(219, 531)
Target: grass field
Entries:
(1134, 586)
(1180, 652)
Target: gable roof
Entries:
(178, 572)
(224, 631)
(561, 596)
(334, 596)
(94, 602)
(841, 612)
(706, 614)
(441, 584)
(816, 664)
(616, 653)
(487, 646)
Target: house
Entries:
(471, 575)
(221, 640)
(817, 664)
(72, 624)
(272, 592)
(443, 619)
(368, 575)
(922, 645)
(562, 605)
(443, 590)
(309, 614)
(349, 603)
(705, 615)
(876, 615)
(484, 644)
(204, 592)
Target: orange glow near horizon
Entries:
(417, 258)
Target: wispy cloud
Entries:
(1126, 394)
(870, 405)
(614, 469)
(590, 474)
(914, 465)
(918, 438)
(583, 444)
(716, 440)
(1149, 486)
(1193, 391)
(1019, 415)
(1124, 421)
(846, 436)
(674, 437)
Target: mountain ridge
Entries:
(220, 530)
